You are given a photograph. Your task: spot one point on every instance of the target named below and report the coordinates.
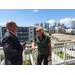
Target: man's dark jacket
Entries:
(12, 49)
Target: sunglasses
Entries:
(37, 30)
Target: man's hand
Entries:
(23, 46)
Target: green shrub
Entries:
(2, 57)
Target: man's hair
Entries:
(9, 24)
(41, 29)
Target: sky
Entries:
(27, 17)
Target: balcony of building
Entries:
(63, 53)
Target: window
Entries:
(30, 36)
(20, 28)
(30, 28)
(24, 28)
(23, 36)
(20, 32)
(25, 32)
(31, 41)
(21, 40)
(30, 32)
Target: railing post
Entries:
(64, 52)
(29, 57)
(25, 57)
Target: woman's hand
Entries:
(33, 48)
(49, 57)
(33, 43)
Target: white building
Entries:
(57, 29)
(73, 23)
(54, 23)
(32, 32)
(0, 34)
(70, 30)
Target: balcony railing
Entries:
(62, 53)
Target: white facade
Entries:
(59, 29)
(68, 30)
(54, 23)
(31, 33)
(73, 23)
(0, 34)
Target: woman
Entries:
(44, 46)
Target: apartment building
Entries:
(24, 33)
(0, 34)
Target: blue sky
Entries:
(27, 17)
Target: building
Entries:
(70, 30)
(24, 33)
(52, 30)
(46, 25)
(73, 23)
(62, 25)
(54, 23)
(57, 29)
(36, 24)
(41, 24)
(0, 36)
(59, 24)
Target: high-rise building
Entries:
(62, 25)
(59, 24)
(54, 23)
(41, 24)
(46, 25)
(73, 23)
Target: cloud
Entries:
(51, 22)
(35, 10)
(65, 21)
(2, 24)
(73, 19)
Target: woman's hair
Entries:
(41, 29)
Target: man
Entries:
(11, 45)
